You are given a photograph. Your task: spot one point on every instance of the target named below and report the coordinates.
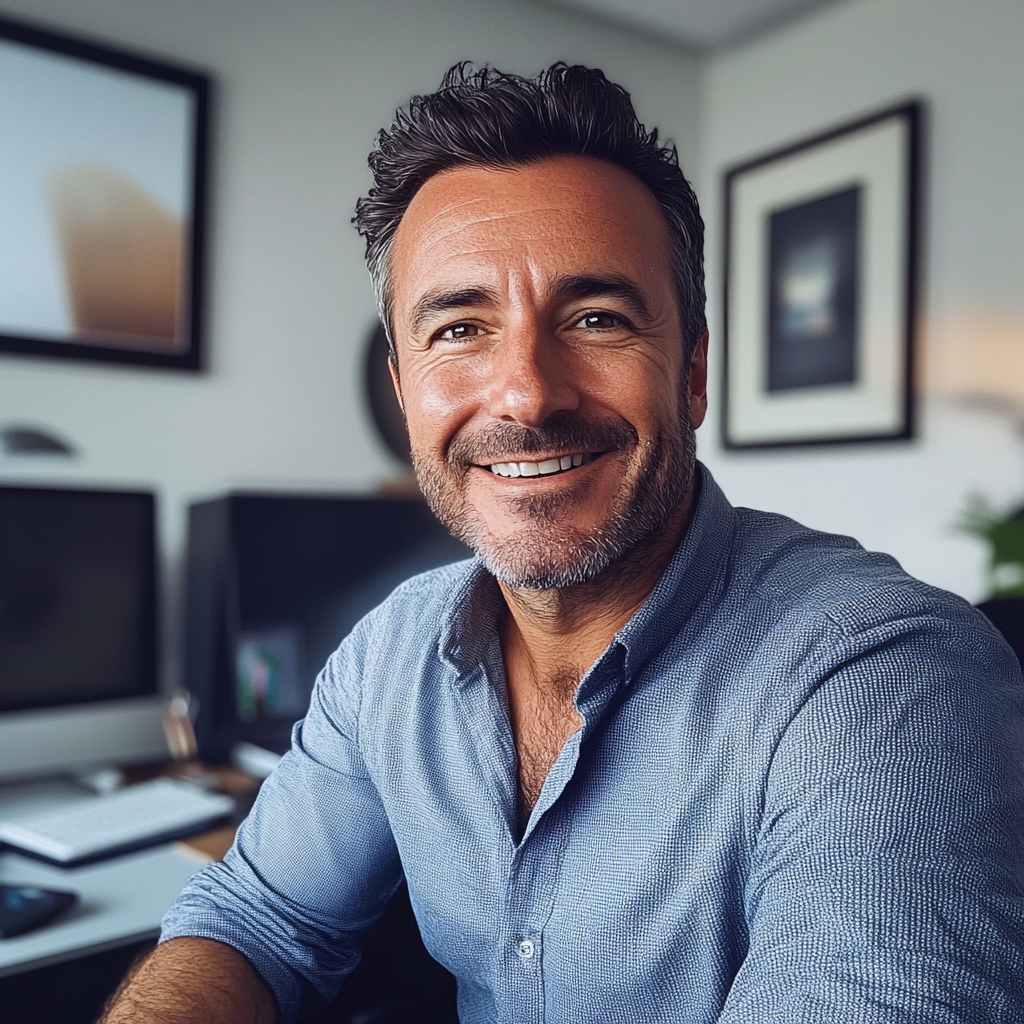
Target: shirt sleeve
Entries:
(886, 883)
(314, 863)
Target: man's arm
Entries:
(190, 981)
(886, 884)
(312, 866)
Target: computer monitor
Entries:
(274, 583)
(78, 630)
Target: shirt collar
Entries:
(474, 609)
(470, 623)
(691, 574)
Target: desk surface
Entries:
(120, 901)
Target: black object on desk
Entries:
(274, 583)
(1007, 615)
(24, 907)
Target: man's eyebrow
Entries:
(587, 286)
(444, 300)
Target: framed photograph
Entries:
(820, 270)
(102, 178)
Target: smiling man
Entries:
(551, 399)
(649, 757)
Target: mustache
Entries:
(566, 432)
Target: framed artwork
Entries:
(820, 279)
(102, 201)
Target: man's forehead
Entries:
(547, 185)
(578, 204)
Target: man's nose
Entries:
(532, 375)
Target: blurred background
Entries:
(301, 89)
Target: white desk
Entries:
(120, 901)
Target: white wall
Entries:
(964, 57)
(302, 88)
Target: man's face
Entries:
(540, 365)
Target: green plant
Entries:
(1005, 537)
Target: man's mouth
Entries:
(546, 467)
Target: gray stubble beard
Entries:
(542, 554)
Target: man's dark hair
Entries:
(483, 117)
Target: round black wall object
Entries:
(380, 394)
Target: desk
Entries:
(121, 901)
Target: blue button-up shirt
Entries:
(796, 796)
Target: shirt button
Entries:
(525, 949)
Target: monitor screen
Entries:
(275, 582)
(77, 597)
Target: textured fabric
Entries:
(797, 796)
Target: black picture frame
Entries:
(820, 276)
(118, 262)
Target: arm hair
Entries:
(190, 981)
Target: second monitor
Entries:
(274, 583)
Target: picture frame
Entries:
(102, 202)
(820, 279)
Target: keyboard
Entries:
(127, 819)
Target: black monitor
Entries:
(78, 629)
(274, 583)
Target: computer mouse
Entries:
(24, 907)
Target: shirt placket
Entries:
(529, 894)
(533, 872)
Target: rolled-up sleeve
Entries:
(314, 863)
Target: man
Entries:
(650, 757)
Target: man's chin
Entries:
(541, 558)
(541, 574)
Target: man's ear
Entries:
(698, 382)
(393, 370)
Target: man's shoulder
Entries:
(427, 597)
(405, 628)
(418, 615)
(800, 605)
(781, 562)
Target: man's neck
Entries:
(568, 628)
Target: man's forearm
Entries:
(190, 981)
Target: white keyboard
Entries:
(125, 820)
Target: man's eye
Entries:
(596, 321)
(459, 332)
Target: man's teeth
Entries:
(545, 468)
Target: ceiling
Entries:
(702, 23)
